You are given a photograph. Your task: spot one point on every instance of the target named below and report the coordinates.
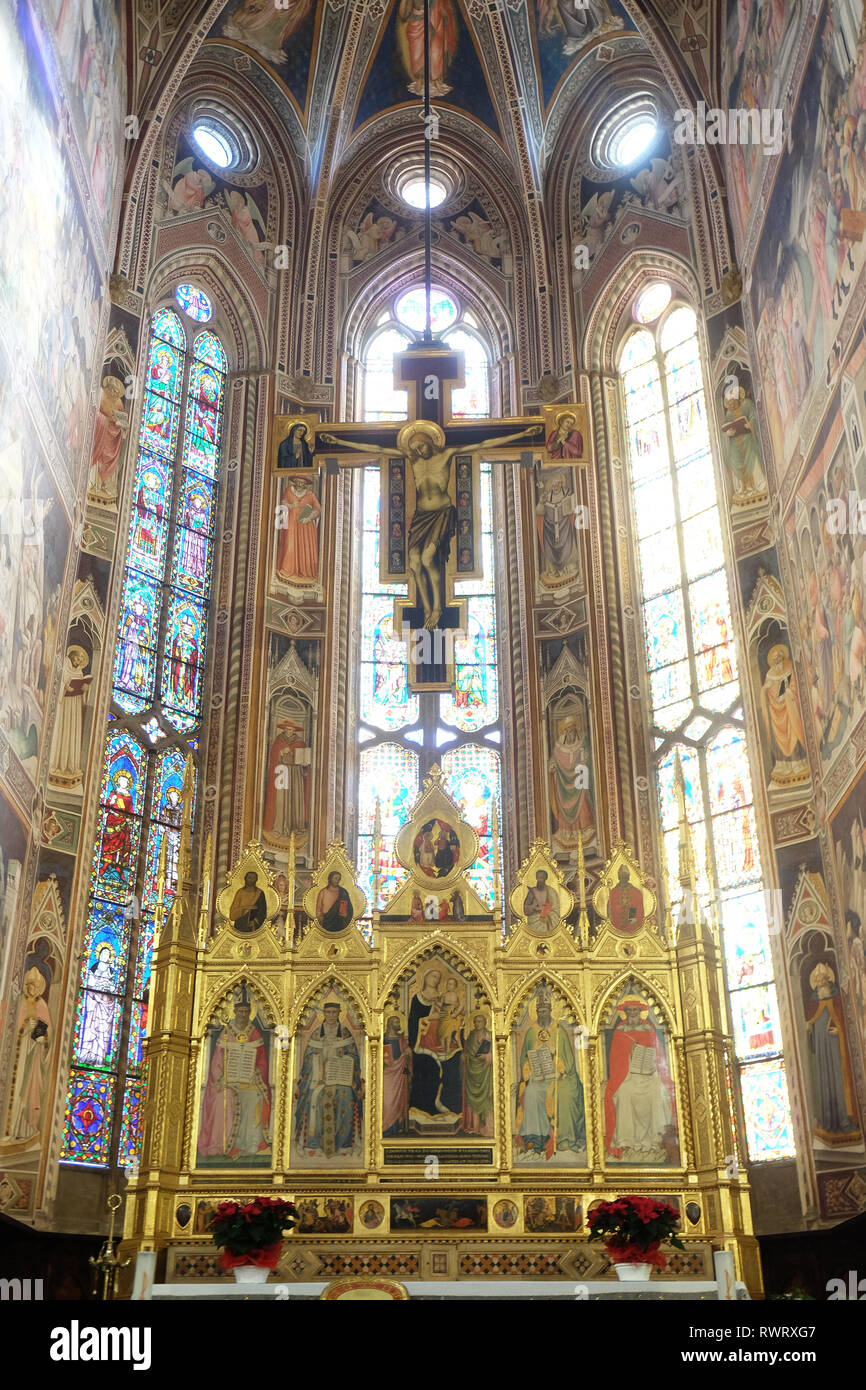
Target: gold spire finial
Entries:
(184, 854)
(583, 919)
(377, 855)
(687, 873)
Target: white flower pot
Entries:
(251, 1274)
(629, 1273)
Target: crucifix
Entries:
(429, 512)
(429, 515)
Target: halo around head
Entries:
(427, 428)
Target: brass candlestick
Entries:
(106, 1262)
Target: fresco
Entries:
(56, 311)
(33, 550)
(281, 35)
(829, 580)
(761, 41)
(193, 187)
(564, 29)
(396, 76)
(657, 185)
(811, 250)
(87, 35)
(848, 828)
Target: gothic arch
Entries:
(262, 987)
(665, 1009)
(411, 964)
(321, 984)
(526, 988)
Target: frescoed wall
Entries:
(61, 148)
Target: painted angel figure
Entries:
(371, 236)
(658, 186)
(190, 187)
(246, 217)
(478, 234)
(595, 220)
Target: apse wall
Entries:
(799, 218)
(61, 145)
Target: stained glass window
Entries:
(402, 734)
(158, 674)
(694, 689)
(194, 302)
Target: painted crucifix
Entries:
(429, 514)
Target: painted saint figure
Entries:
(236, 1106)
(625, 906)
(443, 43)
(541, 905)
(286, 799)
(396, 1071)
(549, 1116)
(334, 910)
(569, 784)
(780, 708)
(111, 425)
(555, 521)
(298, 528)
(249, 906)
(436, 1094)
(740, 446)
(832, 1082)
(294, 451)
(478, 1088)
(329, 1092)
(24, 1120)
(65, 762)
(565, 441)
(639, 1096)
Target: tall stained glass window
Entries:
(696, 706)
(154, 722)
(402, 734)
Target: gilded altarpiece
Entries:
(439, 1096)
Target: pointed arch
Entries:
(527, 987)
(321, 984)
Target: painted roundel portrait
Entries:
(436, 849)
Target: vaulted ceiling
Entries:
(514, 71)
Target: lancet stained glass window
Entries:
(156, 712)
(695, 693)
(403, 734)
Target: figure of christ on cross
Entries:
(422, 445)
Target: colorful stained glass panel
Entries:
(472, 778)
(695, 485)
(120, 818)
(747, 942)
(473, 399)
(208, 348)
(735, 838)
(664, 622)
(194, 303)
(728, 771)
(755, 1022)
(201, 444)
(671, 685)
(150, 510)
(88, 1119)
(129, 1146)
(166, 325)
(135, 662)
(767, 1110)
(191, 562)
(186, 632)
(702, 544)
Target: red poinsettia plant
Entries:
(251, 1233)
(633, 1229)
